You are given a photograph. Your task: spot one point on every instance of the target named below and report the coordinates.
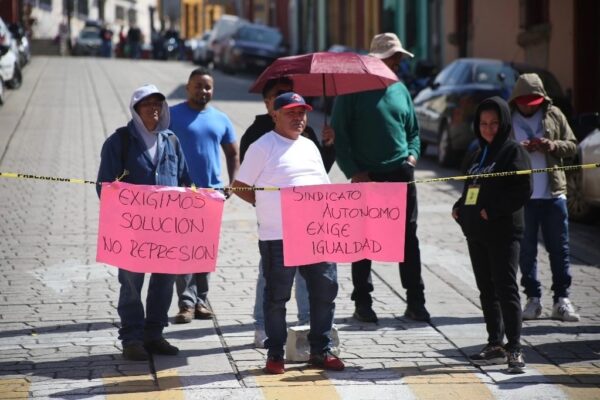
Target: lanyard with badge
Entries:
(473, 190)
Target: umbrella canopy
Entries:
(329, 74)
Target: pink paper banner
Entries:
(343, 222)
(159, 229)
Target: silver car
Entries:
(88, 42)
(583, 189)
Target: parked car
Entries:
(251, 47)
(583, 186)
(23, 47)
(88, 42)
(445, 109)
(220, 34)
(3, 50)
(341, 48)
(172, 45)
(10, 67)
(198, 48)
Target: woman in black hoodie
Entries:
(490, 213)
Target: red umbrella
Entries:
(329, 74)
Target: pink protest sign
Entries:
(159, 229)
(343, 222)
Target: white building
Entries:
(49, 14)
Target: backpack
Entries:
(123, 133)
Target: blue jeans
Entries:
(192, 289)
(134, 327)
(301, 299)
(551, 216)
(321, 280)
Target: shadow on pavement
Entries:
(59, 329)
(563, 328)
(438, 321)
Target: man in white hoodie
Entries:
(144, 152)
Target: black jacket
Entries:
(503, 198)
(264, 123)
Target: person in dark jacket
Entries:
(151, 154)
(490, 213)
(262, 124)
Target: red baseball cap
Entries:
(530, 100)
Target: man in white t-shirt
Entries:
(283, 158)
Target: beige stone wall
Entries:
(561, 56)
(448, 12)
(495, 30)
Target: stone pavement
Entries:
(58, 319)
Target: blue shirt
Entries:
(201, 135)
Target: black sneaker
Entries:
(161, 346)
(135, 352)
(489, 355)
(417, 313)
(365, 314)
(516, 364)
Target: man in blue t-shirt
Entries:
(201, 129)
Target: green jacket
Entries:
(556, 128)
(375, 131)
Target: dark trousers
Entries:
(410, 269)
(135, 327)
(321, 281)
(495, 264)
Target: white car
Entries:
(199, 48)
(583, 191)
(10, 68)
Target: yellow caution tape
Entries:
(449, 178)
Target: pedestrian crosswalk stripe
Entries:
(136, 387)
(14, 388)
(581, 382)
(447, 383)
(297, 383)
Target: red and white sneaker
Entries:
(275, 365)
(326, 360)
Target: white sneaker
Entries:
(533, 308)
(564, 311)
(259, 338)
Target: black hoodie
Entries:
(502, 198)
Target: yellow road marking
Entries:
(446, 383)
(14, 388)
(568, 378)
(297, 383)
(138, 387)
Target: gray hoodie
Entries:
(149, 138)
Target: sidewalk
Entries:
(58, 320)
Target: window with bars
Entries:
(534, 13)
(119, 13)
(83, 7)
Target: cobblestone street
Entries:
(58, 318)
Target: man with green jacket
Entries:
(377, 139)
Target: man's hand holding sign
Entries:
(146, 228)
